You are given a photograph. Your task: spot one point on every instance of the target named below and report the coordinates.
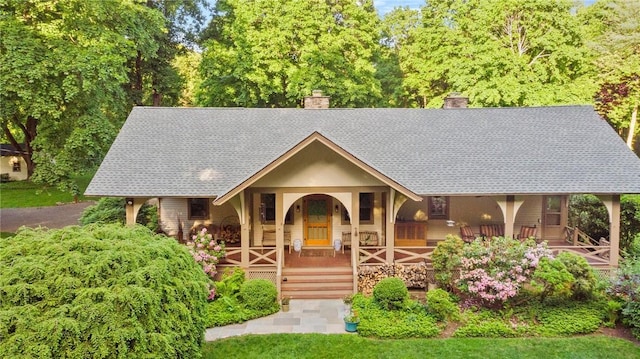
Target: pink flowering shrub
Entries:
(206, 251)
(493, 271)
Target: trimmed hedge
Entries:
(259, 294)
(391, 293)
(99, 292)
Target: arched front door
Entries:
(317, 220)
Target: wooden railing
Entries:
(372, 255)
(413, 255)
(579, 238)
(596, 255)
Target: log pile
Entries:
(413, 276)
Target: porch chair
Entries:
(367, 238)
(467, 235)
(269, 238)
(491, 230)
(527, 232)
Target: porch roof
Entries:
(207, 152)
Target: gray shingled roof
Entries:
(193, 152)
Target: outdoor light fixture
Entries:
(451, 223)
(297, 208)
(130, 201)
(337, 209)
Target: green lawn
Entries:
(352, 346)
(28, 194)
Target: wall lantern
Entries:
(130, 201)
(337, 208)
(450, 223)
(297, 208)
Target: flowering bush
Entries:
(206, 251)
(493, 271)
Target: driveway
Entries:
(51, 217)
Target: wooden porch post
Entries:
(279, 220)
(390, 234)
(509, 216)
(614, 231)
(245, 240)
(355, 238)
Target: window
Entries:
(552, 210)
(268, 209)
(438, 207)
(198, 208)
(16, 166)
(366, 210)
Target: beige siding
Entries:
(6, 166)
(173, 208)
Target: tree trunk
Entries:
(30, 131)
(632, 126)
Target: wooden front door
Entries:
(317, 221)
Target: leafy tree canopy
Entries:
(272, 53)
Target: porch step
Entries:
(317, 282)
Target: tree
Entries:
(271, 53)
(63, 71)
(154, 78)
(499, 53)
(615, 35)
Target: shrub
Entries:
(494, 271)
(488, 328)
(100, 292)
(230, 283)
(552, 278)
(446, 260)
(112, 210)
(584, 279)
(229, 310)
(206, 251)
(391, 293)
(626, 288)
(259, 294)
(439, 304)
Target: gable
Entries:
(316, 165)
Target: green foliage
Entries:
(631, 317)
(552, 278)
(491, 328)
(584, 279)
(500, 53)
(274, 54)
(446, 260)
(588, 213)
(614, 309)
(259, 294)
(411, 322)
(391, 293)
(112, 210)
(231, 310)
(21, 194)
(626, 288)
(570, 318)
(101, 292)
(230, 283)
(440, 305)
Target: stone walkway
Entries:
(304, 316)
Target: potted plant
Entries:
(351, 321)
(347, 300)
(285, 303)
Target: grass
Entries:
(352, 346)
(21, 194)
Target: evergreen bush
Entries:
(446, 260)
(100, 291)
(584, 279)
(391, 293)
(259, 294)
(439, 304)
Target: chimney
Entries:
(316, 100)
(455, 100)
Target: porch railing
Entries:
(597, 255)
(412, 255)
(258, 256)
(579, 238)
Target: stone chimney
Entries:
(316, 100)
(455, 100)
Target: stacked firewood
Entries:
(414, 275)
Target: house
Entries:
(381, 185)
(12, 166)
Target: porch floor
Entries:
(317, 257)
